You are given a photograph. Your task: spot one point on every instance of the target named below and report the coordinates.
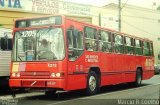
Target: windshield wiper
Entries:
(20, 58)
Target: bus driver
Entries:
(44, 51)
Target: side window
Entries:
(70, 39)
(151, 49)
(75, 43)
(146, 51)
(138, 47)
(129, 46)
(105, 41)
(6, 44)
(90, 39)
(118, 44)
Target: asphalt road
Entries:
(124, 94)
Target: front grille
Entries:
(34, 74)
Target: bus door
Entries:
(75, 45)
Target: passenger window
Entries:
(118, 45)
(75, 43)
(90, 39)
(129, 46)
(118, 39)
(105, 41)
(146, 51)
(128, 41)
(138, 47)
(151, 49)
(137, 43)
(90, 32)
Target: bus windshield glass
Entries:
(39, 45)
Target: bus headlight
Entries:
(53, 75)
(13, 74)
(58, 74)
(18, 75)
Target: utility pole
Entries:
(100, 19)
(119, 8)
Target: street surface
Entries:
(124, 94)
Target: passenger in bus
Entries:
(44, 51)
(88, 47)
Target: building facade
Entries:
(12, 9)
(139, 22)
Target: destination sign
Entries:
(52, 20)
(44, 21)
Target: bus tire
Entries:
(50, 93)
(138, 81)
(92, 83)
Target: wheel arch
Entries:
(96, 70)
(141, 69)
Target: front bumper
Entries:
(37, 83)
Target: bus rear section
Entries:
(5, 55)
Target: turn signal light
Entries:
(15, 74)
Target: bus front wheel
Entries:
(92, 83)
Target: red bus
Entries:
(57, 53)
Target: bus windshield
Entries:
(39, 45)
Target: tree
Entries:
(158, 8)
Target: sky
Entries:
(152, 4)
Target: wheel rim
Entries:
(92, 83)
